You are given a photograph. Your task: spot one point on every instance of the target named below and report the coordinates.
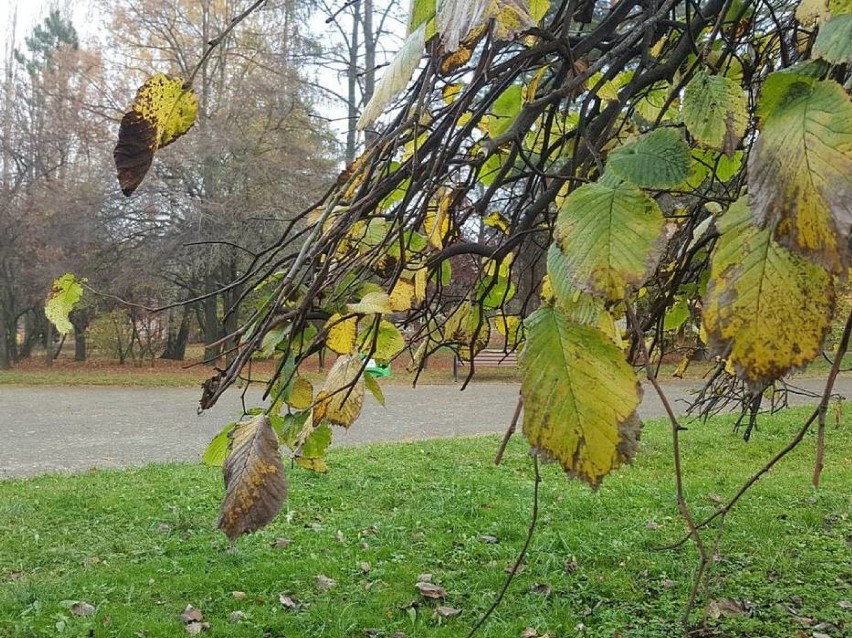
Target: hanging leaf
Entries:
(800, 170)
(580, 396)
(389, 342)
(457, 19)
(834, 41)
(766, 310)
(301, 395)
(312, 449)
(65, 294)
(611, 235)
(371, 384)
(372, 303)
(217, 449)
(340, 399)
(403, 295)
(657, 160)
(396, 76)
(255, 484)
(342, 333)
(163, 110)
(511, 328)
(715, 111)
(419, 13)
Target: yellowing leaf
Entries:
(810, 11)
(341, 333)
(420, 12)
(800, 170)
(611, 236)
(437, 221)
(163, 110)
(715, 111)
(340, 399)
(65, 293)
(766, 310)
(301, 395)
(375, 389)
(458, 19)
(834, 41)
(403, 295)
(421, 281)
(396, 76)
(255, 485)
(496, 220)
(511, 328)
(580, 396)
(372, 303)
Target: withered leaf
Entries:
(163, 110)
(191, 614)
(82, 609)
(430, 590)
(447, 612)
(255, 484)
(324, 583)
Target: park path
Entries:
(69, 429)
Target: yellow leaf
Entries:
(301, 394)
(437, 221)
(800, 169)
(163, 110)
(766, 310)
(340, 399)
(403, 295)
(496, 220)
(512, 329)
(383, 346)
(580, 396)
(341, 333)
(421, 279)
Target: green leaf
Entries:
(255, 484)
(611, 235)
(372, 303)
(834, 41)
(504, 110)
(163, 110)
(766, 310)
(375, 389)
(580, 396)
(217, 450)
(396, 76)
(715, 111)
(800, 170)
(657, 160)
(65, 293)
(313, 448)
(419, 13)
(389, 342)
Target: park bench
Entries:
(487, 359)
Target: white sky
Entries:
(31, 12)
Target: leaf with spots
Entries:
(341, 397)
(65, 294)
(255, 484)
(458, 19)
(580, 396)
(163, 110)
(766, 309)
(715, 111)
(800, 170)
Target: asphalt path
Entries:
(71, 429)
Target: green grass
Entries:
(140, 545)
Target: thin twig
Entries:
(675, 430)
(800, 435)
(512, 427)
(521, 556)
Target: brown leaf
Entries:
(541, 589)
(488, 538)
(529, 632)
(194, 628)
(324, 583)
(571, 566)
(430, 590)
(255, 485)
(447, 612)
(191, 614)
(82, 609)
(726, 607)
(714, 498)
(281, 543)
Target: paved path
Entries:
(48, 429)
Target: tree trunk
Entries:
(80, 321)
(211, 324)
(231, 301)
(5, 355)
(48, 343)
(369, 63)
(352, 85)
(176, 343)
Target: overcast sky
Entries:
(31, 12)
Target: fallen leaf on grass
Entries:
(447, 612)
(488, 538)
(425, 578)
(324, 583)
(571, 566)
(288, 601)
(364, 566)
(714, 498)
(845, 604)
(238, 595)
(82, 609)
(541, 589)
(191, 614)
(652, 525)
(727, 607)
(529, 632)
(236, 616)
(430, 590)
(281, 543)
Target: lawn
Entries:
(139, 545)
